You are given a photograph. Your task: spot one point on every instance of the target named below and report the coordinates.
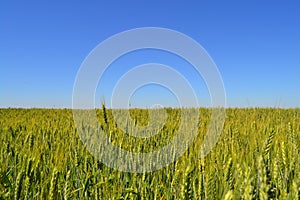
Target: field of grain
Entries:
(257, 157)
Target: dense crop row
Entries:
(256, 157)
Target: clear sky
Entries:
(255, 45)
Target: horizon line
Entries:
(206, 107)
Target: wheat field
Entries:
(256, 157)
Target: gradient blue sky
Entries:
(255, 44)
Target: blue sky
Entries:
(255, 45)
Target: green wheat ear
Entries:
(201, 184)
(27, 185)
(31, 141)
(269, 144)
(53, 185)
(229, 175)
(18, 185)
(76, 158)
(104, 114)
(67, 186)
(211, 186)
(187, 187)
